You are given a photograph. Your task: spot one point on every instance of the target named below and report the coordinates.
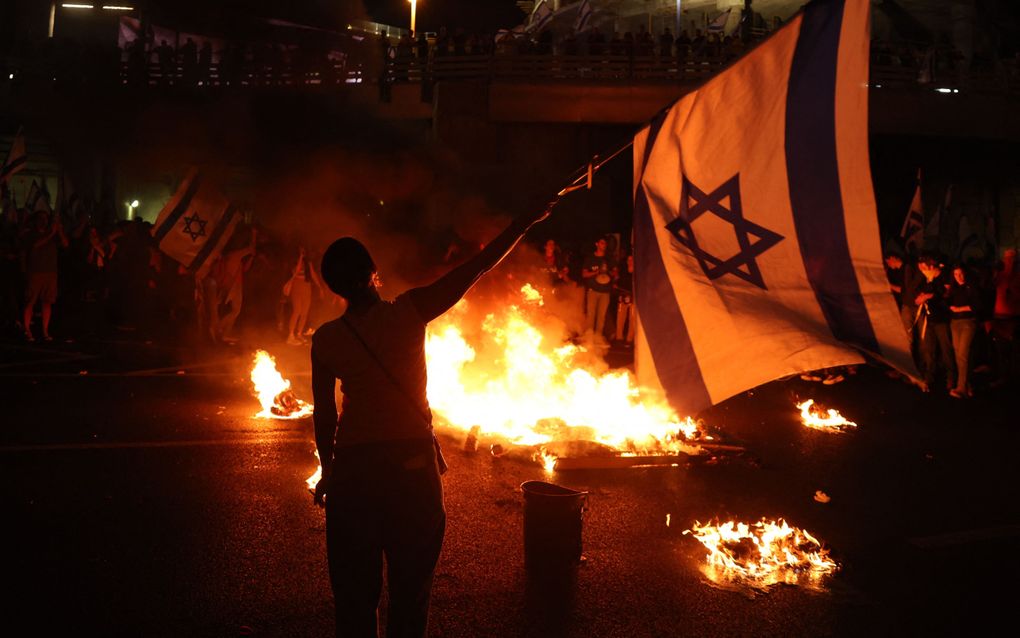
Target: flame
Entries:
(762, 554)
(531, 295)
(273, 391)
(520, 386)
(313, 480)
(546, 460)
(829, 420)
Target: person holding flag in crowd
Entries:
(193, 228)
(42, 243)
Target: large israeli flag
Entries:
(756, 236)
(196, 223)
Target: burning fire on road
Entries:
(820, 418)
(762, 554)
(509, 377)
(508, 372)
(274, 392)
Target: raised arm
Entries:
(324, 417)
(433, 300)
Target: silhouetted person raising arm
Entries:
(380, 464)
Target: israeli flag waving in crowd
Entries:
(755, 232)
(196, 223)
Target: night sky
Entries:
(475, 15)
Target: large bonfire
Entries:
(511, 376)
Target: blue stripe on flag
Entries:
(668, 340)
(178, 211)
(813, 172)
(214, 239)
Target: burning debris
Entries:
(763, 554)
(274, 392)
(820, 418)
(511, 375)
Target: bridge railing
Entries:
(609, 69)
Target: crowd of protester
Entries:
(960, 318)
(604, 273)
(371, 58)
(68, 277)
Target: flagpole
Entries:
(585, 174)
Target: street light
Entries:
(414, 11)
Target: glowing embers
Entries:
(513, 373)
(820, 418)
(762, 554)
(274, 392)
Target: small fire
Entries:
(512, 373)
(829, 420)
(273, 391)
(763, 554)
(313, 480)
(546, 460)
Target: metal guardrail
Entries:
(485, 68)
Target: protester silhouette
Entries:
(381, 463)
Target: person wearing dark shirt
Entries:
(894, 273)
(625, 303)
(963, 300)
(422, 49)
(933, 323)
(598, 281)
(596, 42)
(554, 263)
(909, 315)
(381, 468)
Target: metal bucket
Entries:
(552, 525)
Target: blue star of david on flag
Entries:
(694, 203)
(194, 226)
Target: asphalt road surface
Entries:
(142, 499)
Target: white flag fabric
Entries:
(540, 17)
(755, 231)
(195, 224)
(719, 24)
(584, 14)
(17, 157)
(913, 224)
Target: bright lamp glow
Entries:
(134, 203)
(78, 6)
